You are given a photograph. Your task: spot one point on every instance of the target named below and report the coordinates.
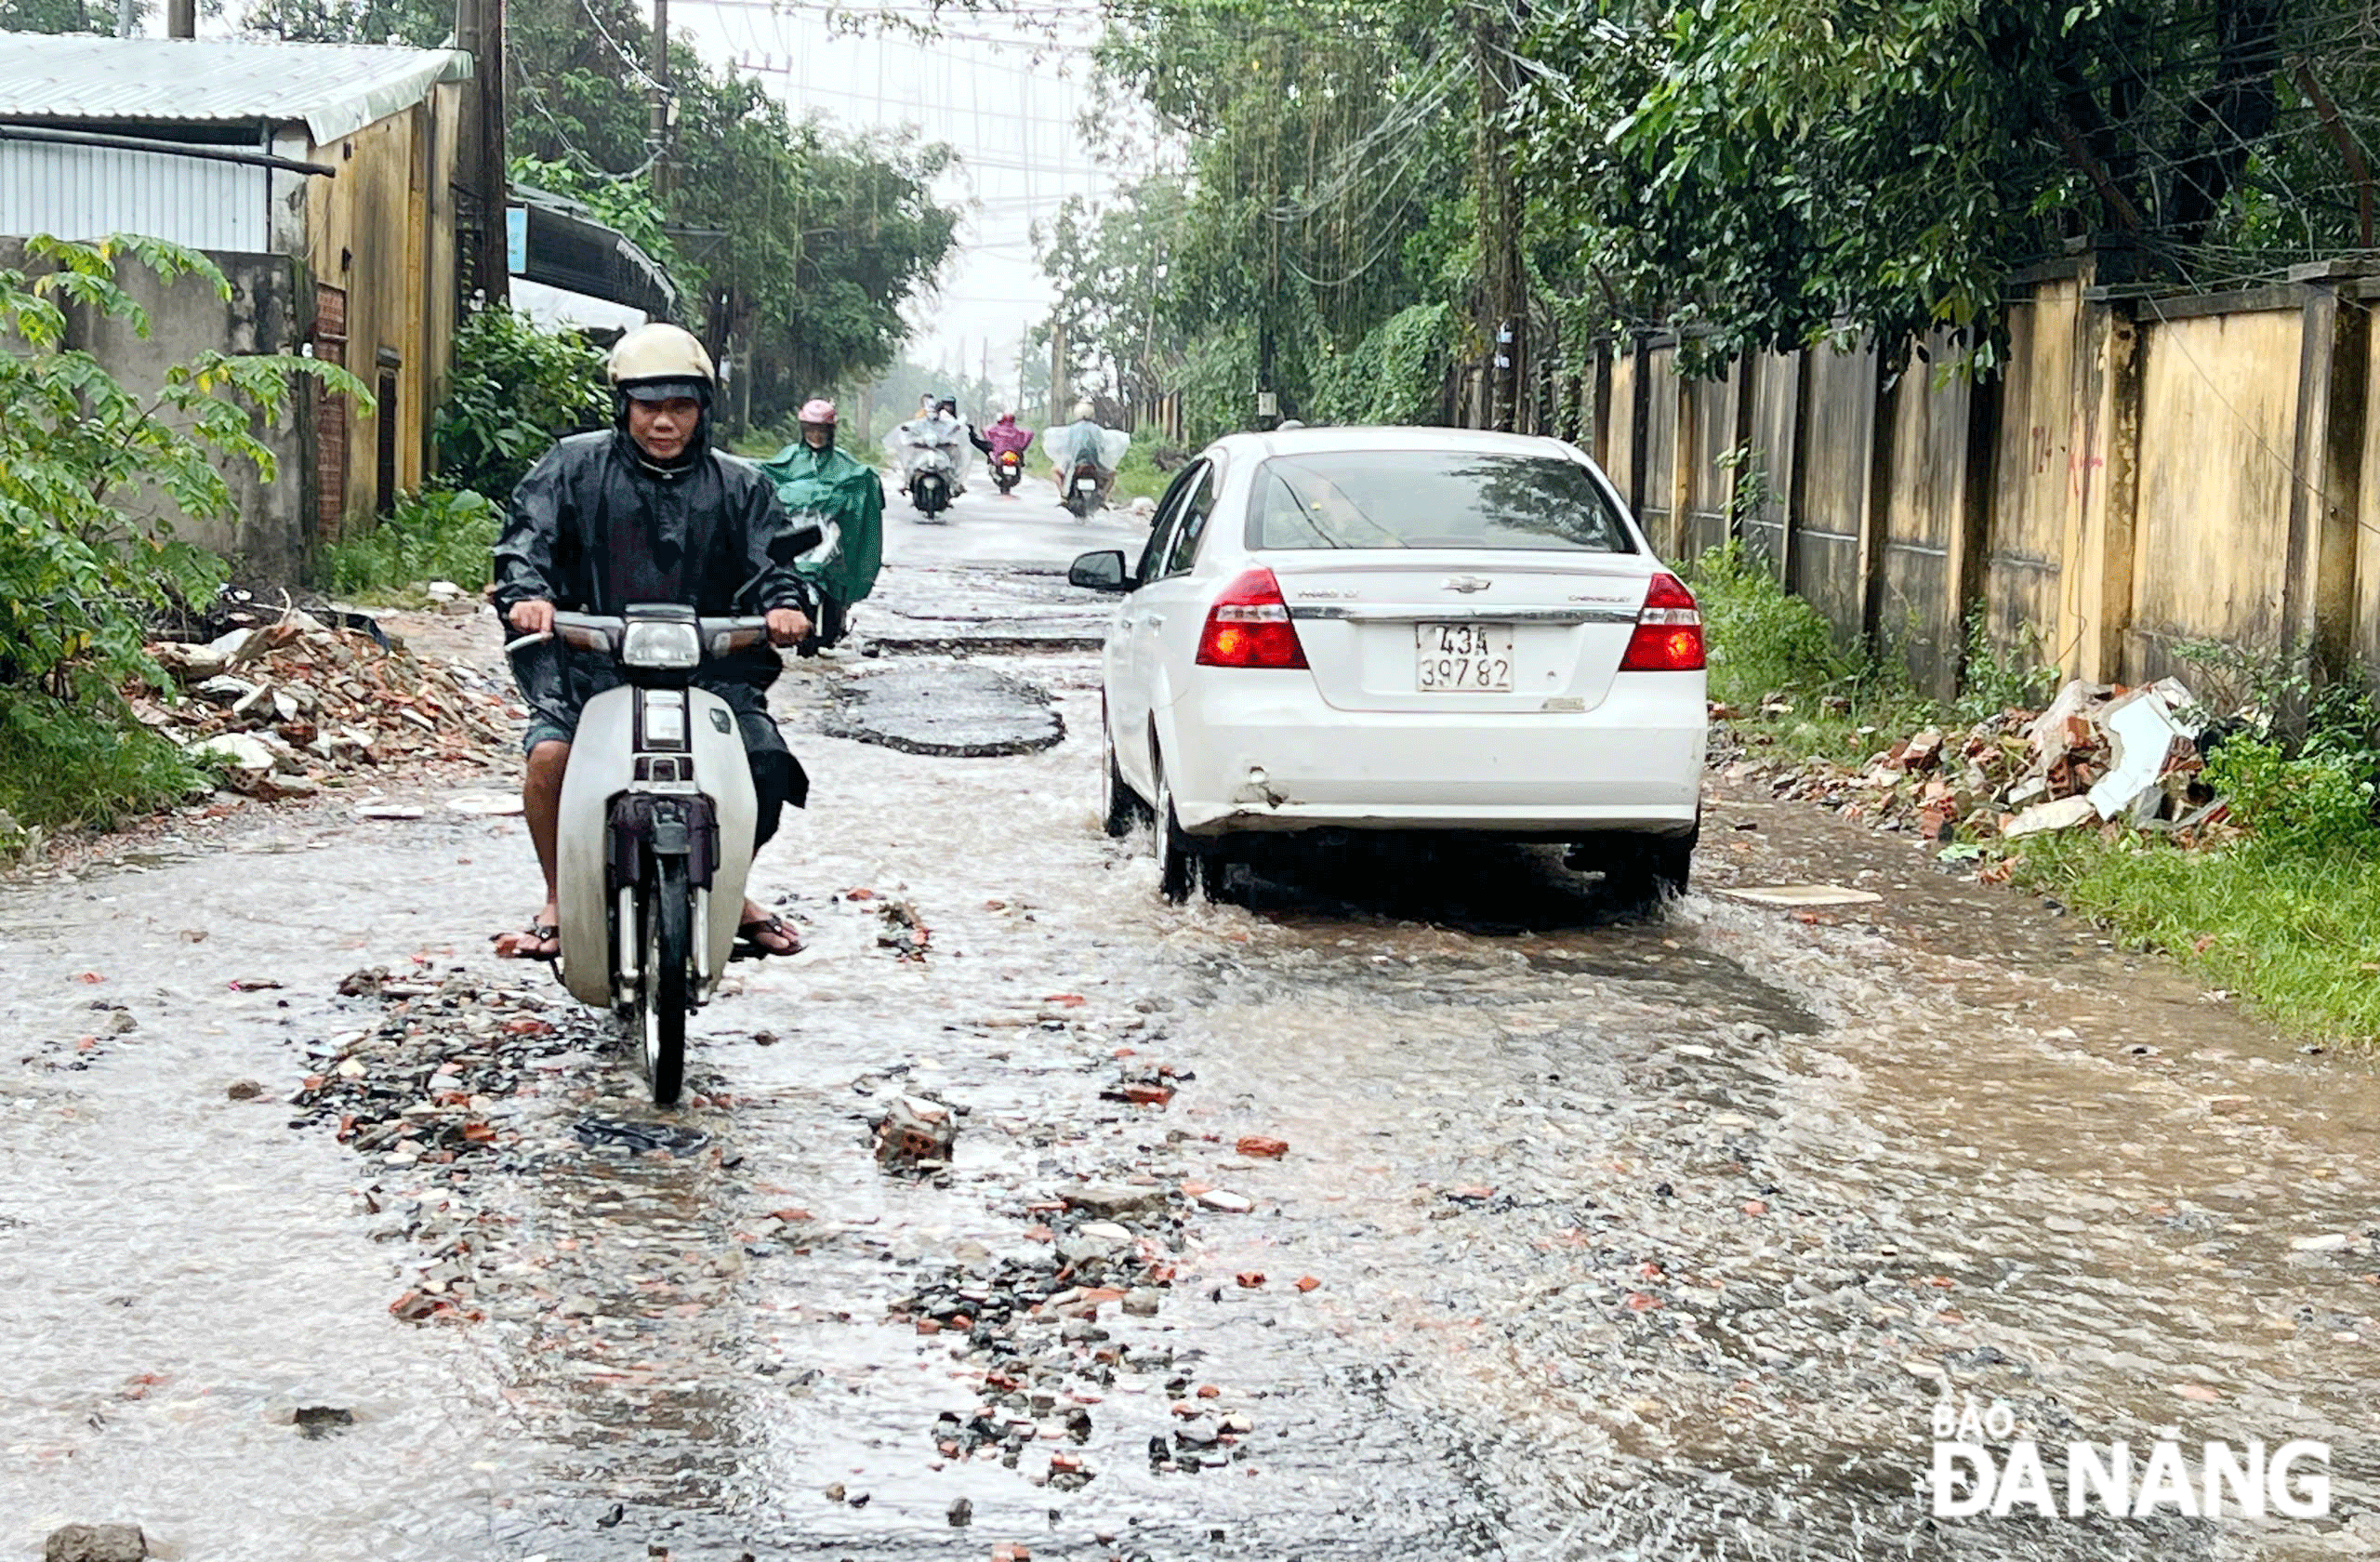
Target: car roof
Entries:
(1359, 438)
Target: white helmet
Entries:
(657, 362)
(1083, 412)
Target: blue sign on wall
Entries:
(516, 239)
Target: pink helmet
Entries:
(818, 410)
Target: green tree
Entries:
(800, 245)
(1776, 169)
(1330, 156)
(417, 22)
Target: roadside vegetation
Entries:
(85, 568)
(2282, 907)
(513, 390)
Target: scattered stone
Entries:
(244, 1089)
(95, 1543)
(963, 1514)
(2329, 1242)
(1226, 1203)
(320, 1421)
(1257, 1147)
(1111, 1200)
(1142, 1302)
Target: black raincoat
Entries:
(592, 529)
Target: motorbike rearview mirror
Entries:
(803, 539)
(1103, 571)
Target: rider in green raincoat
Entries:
(814, 478)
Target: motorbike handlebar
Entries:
(602, 632)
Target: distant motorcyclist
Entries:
(1005, 438)
(1082, 439)
(647, 512)
(937, 424)
(814, 477)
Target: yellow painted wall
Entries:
(383, 230)
(2218, 409)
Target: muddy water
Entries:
(1634, 1237)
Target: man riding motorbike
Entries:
(1082, 439)
(648, 512)
(814, 477)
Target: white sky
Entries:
(1007, 90)
(995, 88)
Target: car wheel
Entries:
(1650, 871)
(1119, 807)
(1178, 869)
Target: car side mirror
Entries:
(1103, 571)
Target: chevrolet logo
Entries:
(1466, 584)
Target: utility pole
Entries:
(657, 137)
(1506, 282)
(1024, 340)
(181, 19)
(124, 19)
(478, 32)
(1057, 369)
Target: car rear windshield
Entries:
(1432, 498)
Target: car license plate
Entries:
(1459, 658)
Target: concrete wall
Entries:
(2138, 474)
(269, 536)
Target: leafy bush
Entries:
(65, 764)
(1993, 679)
(1394, 374)
(514, 389)
(79, 577)
(1763, 640)
(432, 534)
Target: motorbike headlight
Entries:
(663, 647)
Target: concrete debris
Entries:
(296, 704)
(916, 1131)
(1804, 895)
(2096, 752)
(2043, 817)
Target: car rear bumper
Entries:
(1263, 751)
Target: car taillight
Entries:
(1669, 630)
(1248, 627)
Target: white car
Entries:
(1415, 629)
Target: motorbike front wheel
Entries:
(662, 995)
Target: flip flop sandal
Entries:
(539, 934)
(749, 948)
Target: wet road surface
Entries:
(1635, 1237)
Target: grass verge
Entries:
(2285, 912)
(85, 763)
(430, 536)
(2293, 932)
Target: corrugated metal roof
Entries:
(334, 88)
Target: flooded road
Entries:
(1627, 1237)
